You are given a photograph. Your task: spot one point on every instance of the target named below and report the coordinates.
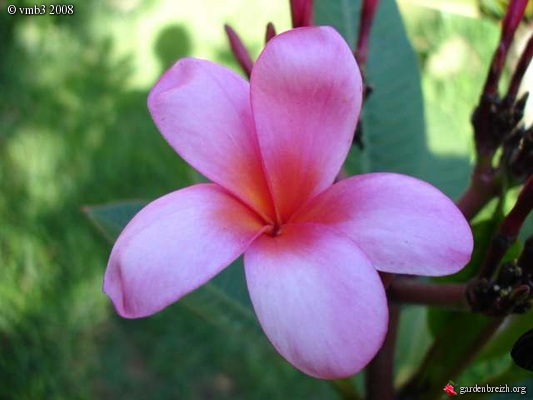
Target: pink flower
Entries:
(311, 249)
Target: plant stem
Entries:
(484, 186)
(367, 17)
(525, 261)
(301, 13)
(411, 291)
(520, 70)
(508, 230)
(379, 378)
(514, 14)
(489, 128)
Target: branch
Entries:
(365, 24)
(411, 291)
(484, 186)
(508, 230)
(301, 13)
(523, 63)
(379, 378)
(515, 12)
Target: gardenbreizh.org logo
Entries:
(451, 390)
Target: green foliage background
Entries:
(74, 131)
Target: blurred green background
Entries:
(75, 131)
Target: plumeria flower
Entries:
(312, 249)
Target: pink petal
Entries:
(318, 299)
(175, 244)
(306, 93)
(203, 111)
(402, 224)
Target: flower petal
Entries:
(203, 111)
(306, 93)
(175, 244)
(402, 224)
(318, 299)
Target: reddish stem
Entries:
(239, 51)
(487, 132)
(365, 24)
(512, 223)
(411, 291)
(508, 230)
(513, 16)
(523, 63)
(484, 186)
(301, 13)
(379, 377)
(525, 261)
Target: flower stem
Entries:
(525, 261)
(411, 291)
(508, 230)
(514, 14)
(379, 378)
(365, 24)
(523, 63)
(484, 186)
(301, 13)
(489, 127)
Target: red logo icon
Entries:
(449, 389)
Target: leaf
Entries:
(527, 228)
(223, 301)
(413, 340)
(110, 219)
(446, 357)
(505, 338)
(393, 115)
(341, 14)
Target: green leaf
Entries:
(223, 301)
(527, 228)
(446, 357)
(111, 218)
(503, 341)
(413, 341)
(393, 116)
(341, 14)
